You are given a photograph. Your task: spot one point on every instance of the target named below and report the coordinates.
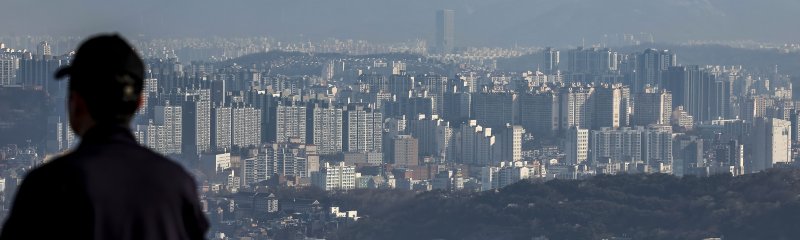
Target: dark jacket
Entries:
(110, 187)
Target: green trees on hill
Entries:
(757, 206)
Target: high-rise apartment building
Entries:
(8, 69)
(592, 61)
(404, 151)
(698, 91)
(494, 109)
(290, 159)
(245, 126)
(363, 129)
(221, 129)
(43, 49)
(290, 120)
(651, 145)
(509, 143)
(576, 107)
(576, 145)
(434, 86)
(609, 106)
(435, 136)
(652, 108)
(552, 58)
(475, 144)
(325, 127)
(171, 119)
(337, 176)
(770, 143)
(196, 106)
(539, 112)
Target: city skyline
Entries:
(497, 23)
(335, 133)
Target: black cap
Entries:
(104, 55)
(108, 73)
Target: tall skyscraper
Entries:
(651, 66)
(552, 58)
(695, 89)
(445, 30)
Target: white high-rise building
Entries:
(326, 128)
(290, 121)
(43, 49)
(197, 121)
(246, 126)
(221, 129)
(8, 69)
(576, 145)
(651, 145)
(769, 144)
(171, 119)
(576, 107)
(363, 129)
(335, 177)
(291, 159)
(254, 169)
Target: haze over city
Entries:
(364, 119)
(480, 22)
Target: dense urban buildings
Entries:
(418, 118)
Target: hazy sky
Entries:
(478, 22)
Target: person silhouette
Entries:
(109, 187)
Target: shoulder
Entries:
(60, 167)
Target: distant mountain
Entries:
(478, 22)
(757, 206)
(753, 60)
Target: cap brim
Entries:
(63, 72)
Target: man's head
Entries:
(105, 86)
